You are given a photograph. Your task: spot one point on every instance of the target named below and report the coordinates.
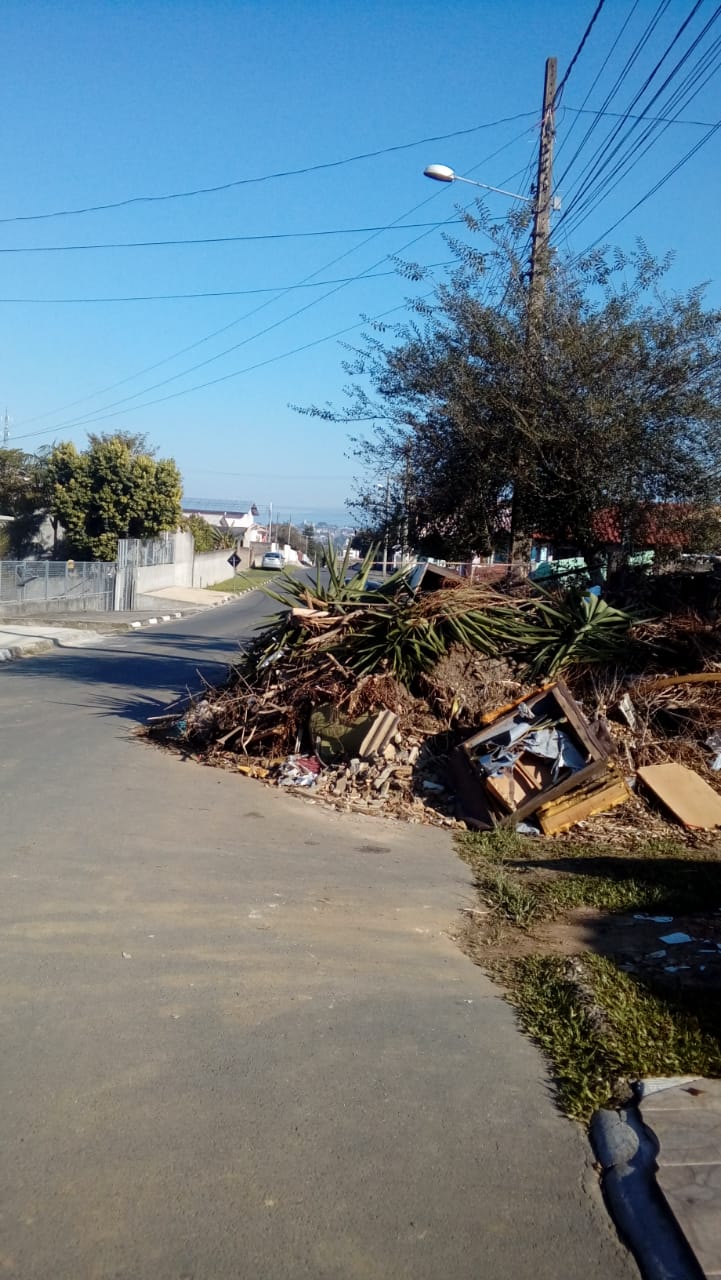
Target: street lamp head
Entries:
(440, 172)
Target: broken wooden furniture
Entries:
(534, 753)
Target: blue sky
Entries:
(110, 100)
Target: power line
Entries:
(627, 151)
(212, 293)
(615, 88)
(226, 377)
(577, 54)
(627, 115)
(583, 208)
(596, 79)
(661, 182)
(155, 244)
(267, 177)
(91, 415)
(247, 315)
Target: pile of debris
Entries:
(424, 698)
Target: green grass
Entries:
(601, 1029)
(659, 874)
(243, 581)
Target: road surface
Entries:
(236, 1037)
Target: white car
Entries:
(273, 560)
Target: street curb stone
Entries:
(26, 651)
(627, 1155)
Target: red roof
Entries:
(661, 525)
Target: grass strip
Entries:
(243, 581)
(654, 875)
(601, 1030)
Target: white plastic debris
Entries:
(673, 939)
(714, 742)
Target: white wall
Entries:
(211, 567)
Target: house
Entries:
(238, 517)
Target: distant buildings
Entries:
(240, 518)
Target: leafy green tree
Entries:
(607, 421)
(23, 495)
(113, 489)
(202, 533)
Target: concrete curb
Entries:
(35, 647)
(627, 1155)
(153, 622)
(28, 650)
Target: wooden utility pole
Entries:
(544, 197)
(519, 536)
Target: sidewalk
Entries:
(685, 1119)
(27, 634)
(23, 640)
(661, 1174)
(33, 634)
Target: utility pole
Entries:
(519, 536)
(542, 207)
(387, 512)
(6, 430)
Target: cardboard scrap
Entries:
(684, 793)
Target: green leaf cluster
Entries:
(387, 629)
(113, 489)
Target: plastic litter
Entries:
(714, 742)
(673, 939)
(299, 771)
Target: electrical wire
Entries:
(268, 177)
(247, 315)
(627, 115)
(628, 150)
(657, 186)
(623, 74)
(236, 373)
(213, 293)
(596, 79)
(184, 373)
(205, 240)
(649, 139)
(579, 51)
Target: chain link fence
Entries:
(62, 585)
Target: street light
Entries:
(442, 173)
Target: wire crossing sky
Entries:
(170, 172)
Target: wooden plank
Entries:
(684, 793)
(559, 815)
(513, 787)
(667, 682)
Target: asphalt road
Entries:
(237, 1039)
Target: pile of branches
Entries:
(344, 641)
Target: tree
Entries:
(23, 495)
(113, 489)
(612, 413)
(202, 533)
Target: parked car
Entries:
(273, 560)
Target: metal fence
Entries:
(61, 585)
(146, 552)
(139, 553)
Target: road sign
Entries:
(234, 560)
